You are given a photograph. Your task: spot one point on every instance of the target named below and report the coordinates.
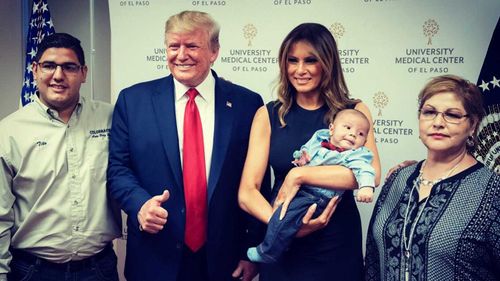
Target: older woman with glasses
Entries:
(439, 219)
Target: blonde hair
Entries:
(189, 21)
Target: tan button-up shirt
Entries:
(53, 200)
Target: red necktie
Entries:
(194, 176)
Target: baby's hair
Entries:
(353, 112)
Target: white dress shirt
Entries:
(205, 102)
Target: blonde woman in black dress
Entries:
(311, 91)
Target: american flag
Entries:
(40, 25)
(488, 148)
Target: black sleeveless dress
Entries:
(334, 252)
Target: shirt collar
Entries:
(326, 144)
(53, 113)
(205, 88)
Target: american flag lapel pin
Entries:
(229, 104)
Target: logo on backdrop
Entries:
(134, 3)
(248, 59)
(432, 59)
(337, 30)
(249, 32)
(431, 28)
(380, 100)
(388, 131)
(208, 3)
(157, 58)
(292, 2)
(350, 59)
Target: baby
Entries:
(341, 144)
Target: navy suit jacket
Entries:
(144, 160)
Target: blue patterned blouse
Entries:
(456, 232)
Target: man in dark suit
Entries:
(180, 230)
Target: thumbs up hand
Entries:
(161, 198)
(152, 217)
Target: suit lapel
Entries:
(222, 134)
(163, 100)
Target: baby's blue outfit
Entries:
(280, 233)
(358, 160)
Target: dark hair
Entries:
(354, 112)
(61, 40)
(467, 92)
(333, 88)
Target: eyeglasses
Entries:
(449, 117)
(49, 67)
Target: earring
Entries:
(470, 141)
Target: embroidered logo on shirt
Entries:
(40, 143)
(99, 133)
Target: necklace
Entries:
(407, 241)
(426, 182)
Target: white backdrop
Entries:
(389, 49)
